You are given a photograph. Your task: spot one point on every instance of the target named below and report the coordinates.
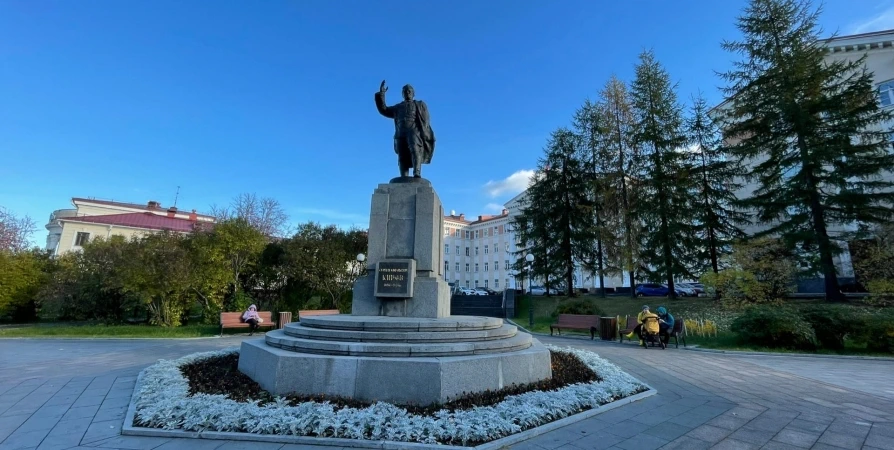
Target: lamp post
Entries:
(530, 259)
(360, 258)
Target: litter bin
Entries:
(608, 326)
(284, 318)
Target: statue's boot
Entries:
(405, 172)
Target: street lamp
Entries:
(530, 259)
(360, 258)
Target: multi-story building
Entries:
(878, 48)
(70, 229)
(482, 251)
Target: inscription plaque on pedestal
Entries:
(394, 278)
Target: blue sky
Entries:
(127, 100)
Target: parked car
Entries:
(540, 290)
(485, 291)
(655, 290)
(697, 287)
(686, 289)
(467, 291)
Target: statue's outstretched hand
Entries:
(382, 88)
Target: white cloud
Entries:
(493, 208)
(884, 20)
(513, 184)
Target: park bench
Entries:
(234, 320)
(316, 312)
(678, 332)
(631, 325)
(576, 322)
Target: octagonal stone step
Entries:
(279, 339)
(401, 324)
(296, 329)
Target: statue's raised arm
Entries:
(414, 140)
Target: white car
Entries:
(467, 291)
(538, 290)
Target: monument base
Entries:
(405, 361)
(365, 303)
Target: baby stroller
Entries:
(650, 332)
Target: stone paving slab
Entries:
(61, 394)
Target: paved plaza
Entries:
(60, 394)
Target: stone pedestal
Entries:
(400, 346)
(406, 221)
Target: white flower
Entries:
(163, 401)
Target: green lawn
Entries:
(70, 330)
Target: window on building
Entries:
(476, 234)
(467, 283)
(485, 250)
(476, 267)
(506, 264)
(484, 232)
(496, 248)
(446, 267)
(496, 230)
(476, 283)
(507, 282)
(467, 251)
(886, 93)
(496, 283)
(457, 267)
(457, 249)
(485, 267)
(446, 249)
(82, 238)
(456, 232)
(485, 283)
(496, 265)
(476, 251)
(467, 234)
(467, 267)
(446, 231)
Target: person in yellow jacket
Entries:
(640, 318)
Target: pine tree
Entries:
(558, 219)
(812, 130)
(666, 182)
(716, 218)
(623, 163)
(592, 132)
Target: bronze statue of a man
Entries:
(414, 140)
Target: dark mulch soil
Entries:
(221, 376)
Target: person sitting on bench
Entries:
(639, 328)
(665, 323)
(252, 318)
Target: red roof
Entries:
(141, 220)
(143, 206)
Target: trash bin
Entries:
(608, 326)
(284, 318)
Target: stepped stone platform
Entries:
(402, 360)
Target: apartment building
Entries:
(69, 229)
(481, 250)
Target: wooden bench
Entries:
(317, 312)
(678, 332)
(631, 325)
(234, 320)
(576, 322)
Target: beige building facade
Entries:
(69, 229)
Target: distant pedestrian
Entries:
(252, 318)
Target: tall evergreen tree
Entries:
(561, 221)
(534, 233)
(716, 218)
(592, 132)
(623, 162)
(666, 182)
(812, 130)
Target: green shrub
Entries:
(833, 324)
(878, 331)
(579, 306)
(774, 327)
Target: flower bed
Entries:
(164, 401)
